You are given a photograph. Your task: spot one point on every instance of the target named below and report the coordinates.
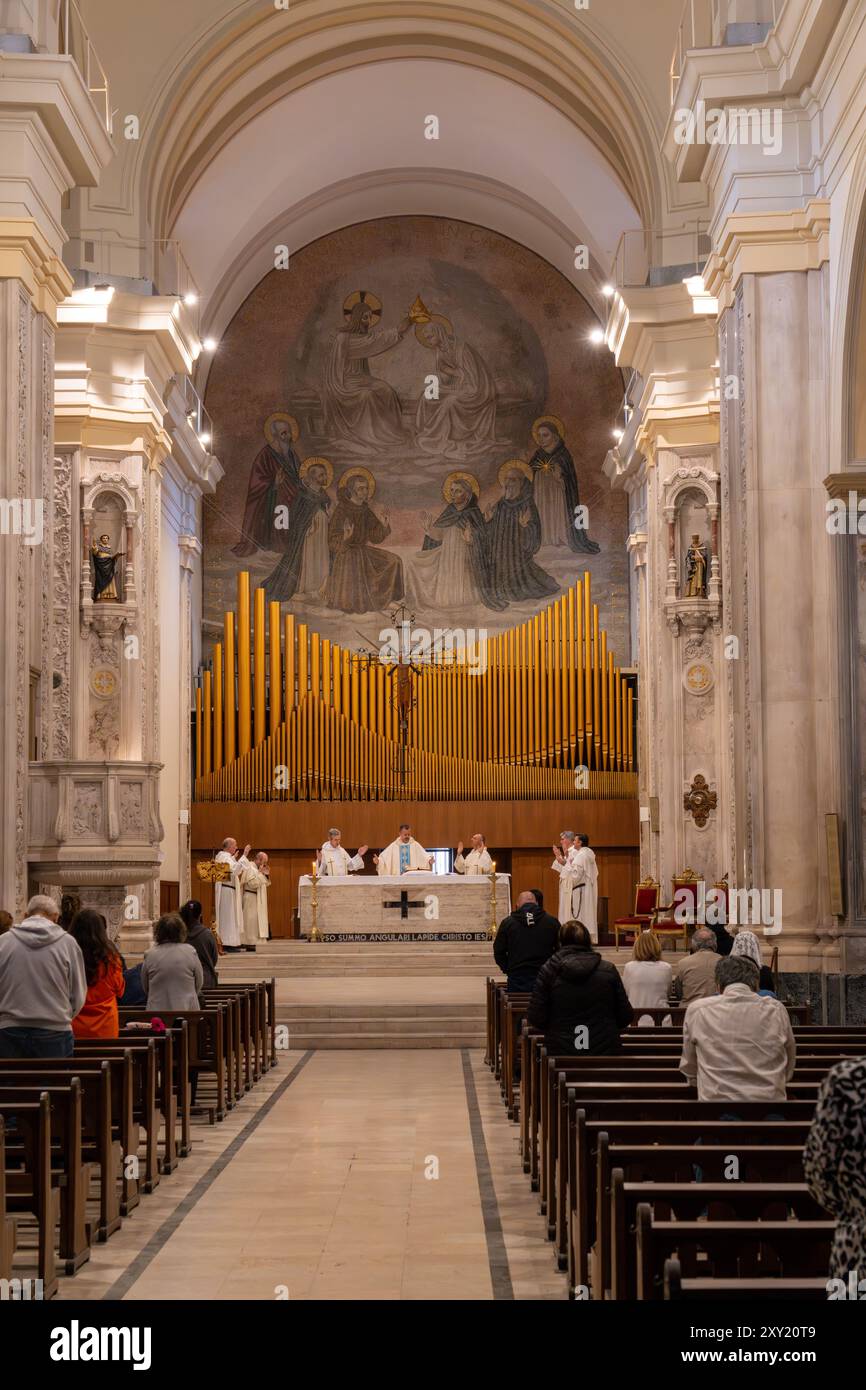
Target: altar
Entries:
(403, 907)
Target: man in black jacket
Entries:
(524, 941)
(579, 1001)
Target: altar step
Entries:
(353, 1025)
(296, 959)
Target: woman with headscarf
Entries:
(834, 1161)
(746, 944)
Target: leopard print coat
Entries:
(834, 1161)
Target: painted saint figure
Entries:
(452, 570)
(363, 579)
(274, 480)
(555, 488)
(104, 571)
(362, 413)
(303, 570)
(462, 420)
(514, 536)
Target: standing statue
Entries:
(104, 571)
(696, 569)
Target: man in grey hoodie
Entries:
(42, 985)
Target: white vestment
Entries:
(389, 859)
(578, 888)
(442, 577)
(254, 887)
(227, 899)
(475, 862)
(339, 860)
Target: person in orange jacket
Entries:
(103, 968)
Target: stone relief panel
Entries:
(131, 808)
(87, 816)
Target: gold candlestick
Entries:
(491, 930)
(314, 907)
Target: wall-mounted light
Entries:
(608, 291)
(210, 344)
(190, 297)
(597, 335)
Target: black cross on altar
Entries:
(404, 905)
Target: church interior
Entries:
(432, 516)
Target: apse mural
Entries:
(412, 413)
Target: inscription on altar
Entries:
(408, 907)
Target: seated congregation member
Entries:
(834, 1162)
(5, 921)
(647, 978)
(736, 1045)
(134, 995)
(103, 969)
(524, 941)
(747, 944)
(171, 971)
(42, 985)
(544, 917)
(695, 976)
(202, 940)
(579, 1001)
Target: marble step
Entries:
(423, 1026)
(352, 1042)
(292, 1012)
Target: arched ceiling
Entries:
(262, 126)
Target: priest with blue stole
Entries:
(404, 855)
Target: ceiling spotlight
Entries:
(597, 335)
(210, 344)
(608, 291)
(190, 298)
(204, 438)
(617, 434)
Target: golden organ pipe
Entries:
(207, 722)
(602, 660)
(571, 675)
(199, 763)
(587, 664)
(315, 665)
(260, 668)
(303, 661)
(275, 691)
(244, 692)
(217, 707)
(326, 670)
(289, 643)
(229, 692)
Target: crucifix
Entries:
(405, 906)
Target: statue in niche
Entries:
(104, 571)
(696, 569)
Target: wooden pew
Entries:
(807, 1289)
(31, 1186)
(109, 1129)
(685, 1120)
(8, 1231)
(204, 1041)
(172, 1052)
(731, 1249)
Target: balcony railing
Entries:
(75, 42)
(143, 267)
(196, 414)
(720, 24)
(647, 257)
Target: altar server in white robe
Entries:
(403, 855)
(333, 859)
(477, 861)
(578, 881)
(254, 883)
(227, 895)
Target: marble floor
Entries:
(343, 1175)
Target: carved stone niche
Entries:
(690, 504)
(109, 507)
(94, 823)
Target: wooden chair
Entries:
(646, 904)
(685, 891)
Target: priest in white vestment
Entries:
(254, 883)
(404, 855)
(576, 865)
(477, 861)
(227, 895)
(333, 859)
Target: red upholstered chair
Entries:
(646, 901)
(686, 889)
